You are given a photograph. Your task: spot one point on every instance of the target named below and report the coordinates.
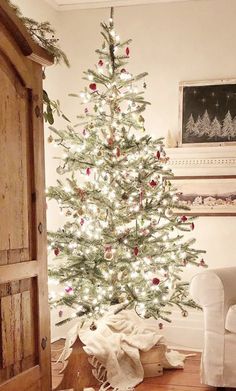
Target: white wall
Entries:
(192, 40)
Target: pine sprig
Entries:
(44, 34)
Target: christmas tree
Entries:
(190, 124)
(205, 128)
(121, 243)
(197, 127)
(215, 129)
(228, 128)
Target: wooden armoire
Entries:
(24, 310)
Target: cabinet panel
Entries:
(18, 333)
(15, 183)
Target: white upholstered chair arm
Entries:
(211, 286)
(215, 291)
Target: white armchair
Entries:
(215, 291)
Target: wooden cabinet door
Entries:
(24, 310)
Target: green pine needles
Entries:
(44, 34)
(122, 243)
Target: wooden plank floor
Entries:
(172, 380)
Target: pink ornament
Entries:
(84, 132)
(88, 171)
(202, 262)
(82, 222)
(118, 152)
(86, 110)
(123, 70)
(68, 289)
(60, 313)
(160, 326)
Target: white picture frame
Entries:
(206, 195)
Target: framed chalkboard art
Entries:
(207, 113)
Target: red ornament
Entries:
(123, 70)
(155, 281)
(88, 171)
(160, 326)
(158, 155)
(68, 289)
(183, 218)
(82, 222)
(127, 51)
(110, 141)
(100, 63)
(56, 251)
(141, 198)
(60, 313)
(202, 262)
(153, 183)
(93, 86)
(192, 226)
(118, 152)
(136, 251)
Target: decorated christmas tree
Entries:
(122, 243)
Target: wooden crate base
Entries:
(78, 364)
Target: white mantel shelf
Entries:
(203, 161)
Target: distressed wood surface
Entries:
(18, 328)
(187, 379)
(23, 40)
(24, 310)
(13, 174)
(77, 373)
